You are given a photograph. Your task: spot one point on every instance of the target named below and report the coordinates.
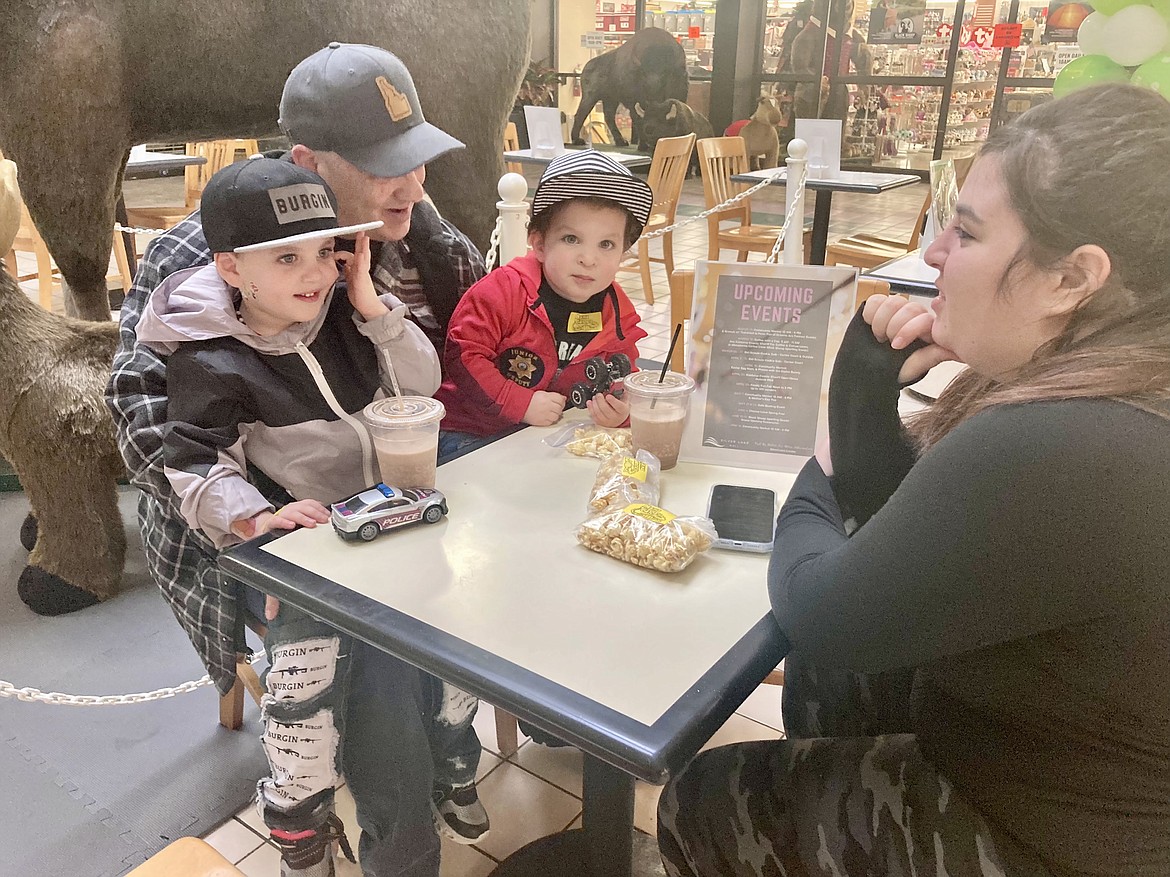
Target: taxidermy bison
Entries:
(81, 81)
(648, 67)
(672, 118)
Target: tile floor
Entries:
(537, 790)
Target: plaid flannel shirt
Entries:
(182, 561)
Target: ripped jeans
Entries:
(340, 707)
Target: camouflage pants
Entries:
(847, 806)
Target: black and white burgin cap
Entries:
(263, 203)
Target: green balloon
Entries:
(1112, 7)
(1087, 70)
(1154, 74)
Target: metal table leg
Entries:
(606, 846)
(820, 229)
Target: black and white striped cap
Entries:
(587, 173)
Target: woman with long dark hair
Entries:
(978, 674)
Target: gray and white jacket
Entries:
(289, 404)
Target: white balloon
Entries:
(1091, 35)
(1134, 35)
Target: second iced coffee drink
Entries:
(658, 412)
(405, 430)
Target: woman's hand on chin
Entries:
(899, 321)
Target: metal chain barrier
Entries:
(775, 254)
(35, 695)
(494, 245)
(733, 200)
(129, 229)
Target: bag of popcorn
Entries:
(585, 440)
(648, 536)
(624, 479)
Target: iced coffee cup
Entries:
(658, 412)
(405, 430)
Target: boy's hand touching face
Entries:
(608, 410)
(545, 409)
(358, 283)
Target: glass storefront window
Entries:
(693, 22)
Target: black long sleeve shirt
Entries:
(1023, 567)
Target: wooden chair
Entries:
(29, 240)
(187, 857)
(719, 159)
(668, 169)
(219, 154)
(512, 143)
(867, 251)
(231, 705)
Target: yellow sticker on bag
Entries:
(649, 512)
(632, 468)
(585, 322)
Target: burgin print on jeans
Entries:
(300, 754)
(302, 670)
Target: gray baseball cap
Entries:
(359, 102)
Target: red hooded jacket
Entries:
(501, 349)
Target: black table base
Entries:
(568, 854)
(822, 208)
(607, 845)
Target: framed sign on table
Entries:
(760, 347)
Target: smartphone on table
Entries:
(744, 517)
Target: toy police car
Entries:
(383, 508)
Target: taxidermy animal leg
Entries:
(589, 100)
(78, 533)
(28, 532)
(609, 107)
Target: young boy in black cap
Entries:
(352, 114)
(519, 338)
(268, 365)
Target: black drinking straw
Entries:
(666, 365)
(670, 352)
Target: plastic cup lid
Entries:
(647, 384)
(404, 411)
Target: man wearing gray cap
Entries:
(407, 748)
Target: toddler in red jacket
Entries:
(520, 337)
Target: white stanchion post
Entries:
(794, 237)
(513, 189)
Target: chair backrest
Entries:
(218, 154)
(962, 167)
(511, 137)
(10, 205)
(195, 176)
(511, 143)
(719, 159)
(668, 169)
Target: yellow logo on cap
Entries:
(397, 104)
